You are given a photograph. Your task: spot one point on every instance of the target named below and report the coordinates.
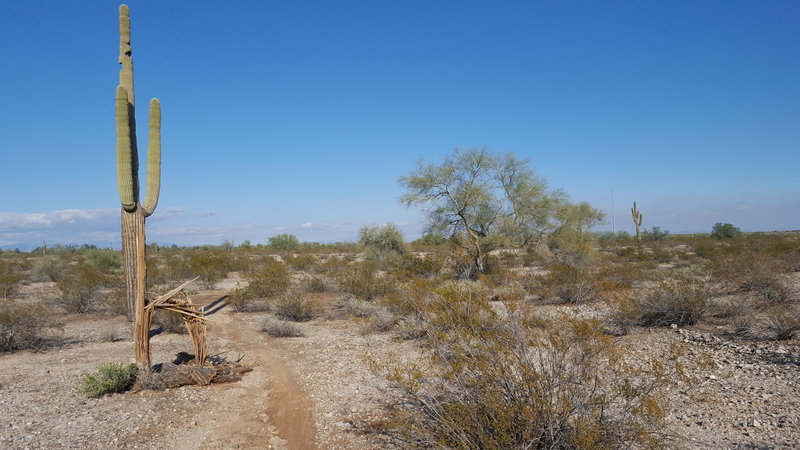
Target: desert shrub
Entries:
(110, 378)
(499, 383)
(210, 266)
(49, 268)
(580, 284)
(21, 327)
(362, 281)
(280, 328)
(315, 285)
(331, 266)
(725, 231)
(680, 302)
(654, 234)
(609, 238)
(284, 242)
(10, 278)
(382, 243)
(242, 300)
(301, 262)
(169, 321)
(294, 306)
(783, 321)
(106, 261)
(413, 266)
(271, 278)
(356, 307)
(79, 287)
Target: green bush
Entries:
(110, 378)
(725, 231)
(284, 242)
(382, 243)
(654, 234)
(21, 327)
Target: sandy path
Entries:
(269, 409)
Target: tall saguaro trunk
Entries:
(133, 212)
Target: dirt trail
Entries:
(268, 401)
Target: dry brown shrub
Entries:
(492, 382)
(22, 326)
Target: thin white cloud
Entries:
(306, 225)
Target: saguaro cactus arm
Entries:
(126, 172)
(153, 158)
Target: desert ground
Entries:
(328, 389)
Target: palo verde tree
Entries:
(484, 201)
(133, 211)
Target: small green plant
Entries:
(211, 266)
(49, 268)
(363, 281)
(294, 306)
(280, 328)
(110, 378)
(725, 231)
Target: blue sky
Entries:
(299, 116)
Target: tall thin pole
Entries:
(613, 216)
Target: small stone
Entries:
(756, 423)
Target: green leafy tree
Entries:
(484, 201)
(284, 241)
(725, 231)
(574, 221)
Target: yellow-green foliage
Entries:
(500, 382)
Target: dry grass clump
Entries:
(315, 285)
(21, 327)
(280, 328)
(492, 382)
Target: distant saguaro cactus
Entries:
(134, 212)
(637, 220)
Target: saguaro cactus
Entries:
(637, 220)
(134, 212)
